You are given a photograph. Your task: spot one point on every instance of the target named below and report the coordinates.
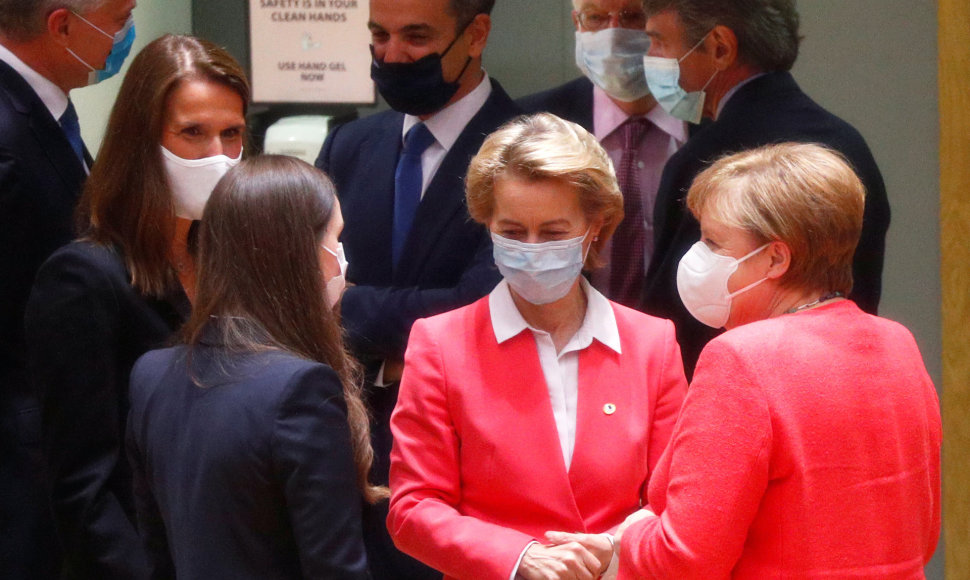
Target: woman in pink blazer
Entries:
(542, 406)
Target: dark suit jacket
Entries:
(572, 101)
(447, 262)
(40, 179)
(85, 327)
(251, 474)
(769, 109)
(447, 259)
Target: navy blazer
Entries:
(40, 180)
(447, 258)
(86, 326)
(769, 109)
(243, 466)
(572, 101)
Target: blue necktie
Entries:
(72, 130)
(407, 186)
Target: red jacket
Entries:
(477, 471)
(808, 447)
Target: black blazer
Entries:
(447, 259)
(85, 327)
(40, 180)
(769, 109)
(251, 474)
(572, 101)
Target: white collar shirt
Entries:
(561, 370)
(446, 126)
(50, 94)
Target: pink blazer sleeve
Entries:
(671, 387)
(717, 472)
(425, 476)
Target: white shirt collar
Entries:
(50, 94)
(608, 116)
(731, 91)
(599, 322)
(447, 124)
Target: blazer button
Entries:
(609, 408)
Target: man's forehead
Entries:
(402, 14)
(607, 5)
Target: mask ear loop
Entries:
(753, 284)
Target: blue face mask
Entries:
(613, 59)
(539, 273)
(121, 46)
(663, 78)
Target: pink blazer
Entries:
(477, 471)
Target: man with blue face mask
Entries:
(612, 101)
(47, 49)
(413, 250)
(728, 61)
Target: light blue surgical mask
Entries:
(121, 46)
(612, 59)
(540, 273)
(663, 78)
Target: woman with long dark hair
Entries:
(124, 287)
(249, 442)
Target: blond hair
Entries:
(804, 195)
(540, 147)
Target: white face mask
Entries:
(612, 59)
(337, 284)
(539, 273)
(192, 180)
(702, 281)
(663, 78)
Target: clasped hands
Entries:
(574, 556)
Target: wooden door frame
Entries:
(954, 84)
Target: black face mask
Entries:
(415, 88)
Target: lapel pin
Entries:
(609, 408)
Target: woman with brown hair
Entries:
(124, 287)
(243, 461)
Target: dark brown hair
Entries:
(767, 30)
(259, 275)
(126, 201)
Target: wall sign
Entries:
(310, 51)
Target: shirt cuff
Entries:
(518, 562)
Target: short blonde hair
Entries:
(804, 195)
(543, 146)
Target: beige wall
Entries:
(152, 19)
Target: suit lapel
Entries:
(517, 386)
(370, 212)
(601, 383)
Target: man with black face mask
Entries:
(412, 248)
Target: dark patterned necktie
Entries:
(626, 261)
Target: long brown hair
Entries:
(259, 275)
(126, 201)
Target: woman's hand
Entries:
(569, 560)
(640, 514)
(599, 545)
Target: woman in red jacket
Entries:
(809, 442)
(542, 406)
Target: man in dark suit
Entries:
(412, 248)
(734, 57)
(611, 100)
(47, 48)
